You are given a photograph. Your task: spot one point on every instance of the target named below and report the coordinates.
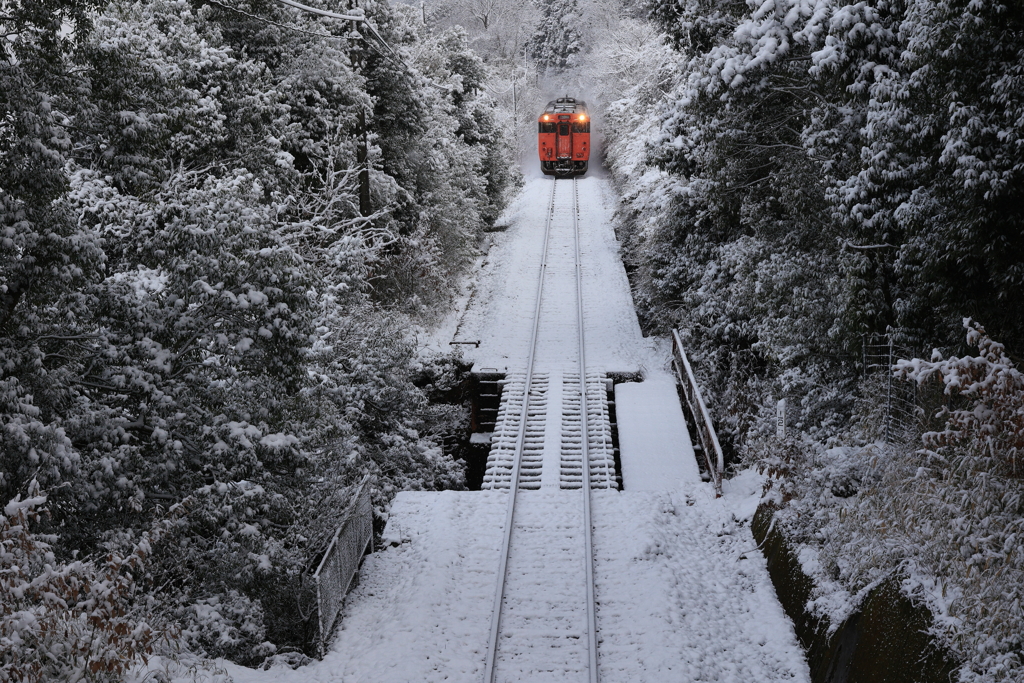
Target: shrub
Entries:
(65, 621)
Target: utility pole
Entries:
(356, 57)
(363, 159)
(362, 150)
(515, 109)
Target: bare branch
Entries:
(864, 247)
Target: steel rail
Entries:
(499, 592)
(585, 444)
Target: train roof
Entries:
(566, 105)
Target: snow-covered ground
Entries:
(683, 594)
(656, 451)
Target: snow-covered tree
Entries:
(46, 257)
(821, 172)
(557, 41)
(193, 307)
(940, 168)
(498, 29)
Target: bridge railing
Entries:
(712, 450)
(333, 577)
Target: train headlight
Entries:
(546, 117)
(583, 117)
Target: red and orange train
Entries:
(563, 138)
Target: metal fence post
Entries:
(705, 429)
(863, 356)
(888, 397)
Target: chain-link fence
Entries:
(333, 578)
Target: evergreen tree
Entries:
(192, 308)
(940, 191)
(558, 39)
(47, 258)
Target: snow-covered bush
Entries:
(226, 575)
(949, 517)
(193, 310)
(990, 429)
(65, 621)
(227, 625)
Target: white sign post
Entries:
(780, 419)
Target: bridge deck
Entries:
(676, 601)
(656, 451)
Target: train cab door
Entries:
(563, 138)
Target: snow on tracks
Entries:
(501, 314)
(543, 636)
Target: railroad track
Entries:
(544, 619)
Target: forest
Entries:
(206, 337)
(227, 224)
(827, 200)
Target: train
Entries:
(563, 138)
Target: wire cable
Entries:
(323, 12)
(272, 22)
(377, 43)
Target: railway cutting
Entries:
(593, 551)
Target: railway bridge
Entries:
(594, 550)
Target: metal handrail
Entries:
(333, 576)
(699, 412)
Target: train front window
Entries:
(581, 127)
(548, 127)
(563, 129)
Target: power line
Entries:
(380, 42)
(345, 17)
(323, 12)
(272, 22)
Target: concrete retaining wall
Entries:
(886, 641)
